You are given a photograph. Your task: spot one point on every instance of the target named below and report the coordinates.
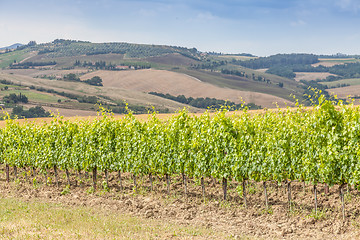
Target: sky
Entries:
(259, 27)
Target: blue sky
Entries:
(260, 27)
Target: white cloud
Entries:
(147, 13)
(298, 23)
(349, 5)
(205, 16)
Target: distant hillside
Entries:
(129, 71)
(174, 83)
(14, 46)
(70, 48)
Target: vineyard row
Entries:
(321, 145)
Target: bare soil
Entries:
(228, 216)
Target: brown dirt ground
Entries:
(163, 81)
(230, 216)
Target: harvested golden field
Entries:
(329, 62)
(67, 112)
(94, 115)
(48, 72)
(119, 94)
(236, 57)
(89, 117)
(262, 70)
(308, 76)
(163, 81)
(343, 92)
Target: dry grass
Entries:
(67, 112)
(344, 92)
(119, 94)
(329, 62)
(177, 84)
(141, 117)
(49, 72)
(262, 70)
(237, 57)
(308, 76)
(350, 81)
(38, 220)
(175, 59)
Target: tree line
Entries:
(206, 103)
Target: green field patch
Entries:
(229, 57)
(9, 86)
(34, 96)
(339, 83)
(8, 58)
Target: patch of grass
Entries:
(319, 215)
(267, 211)
(225, 204)
(35, 183)
(35, 96)
(350, 81)
(356, 223)
(8, 58)
(66, 190)
(90, 190)
(9, 86)
(37, 220)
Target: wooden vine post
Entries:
(203, 186)
(94, 177)
(151, 182)
(7, 173)
(225, 187)
(315, 198)
(244, 192)
(266, 196)
(185, 183)
(68, 176)
(56, 176)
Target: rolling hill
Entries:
(163, 81)
(13, 46)
(130, 71)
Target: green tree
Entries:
(96, 81)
